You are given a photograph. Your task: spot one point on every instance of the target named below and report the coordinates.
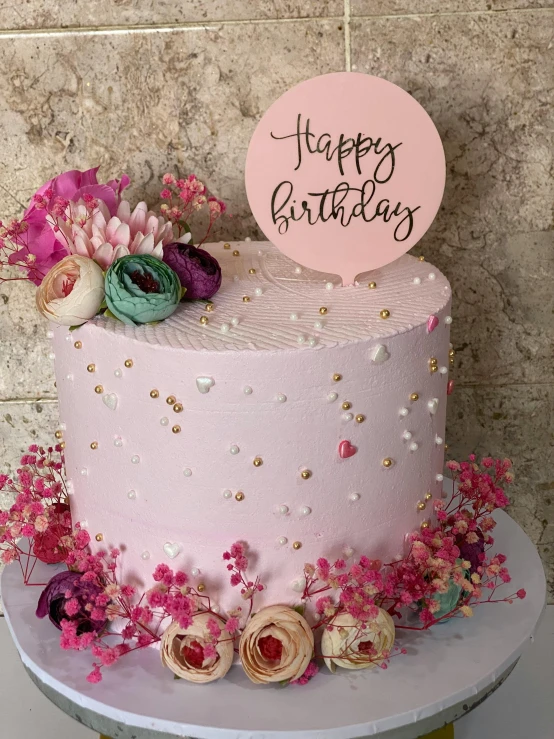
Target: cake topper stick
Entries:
(345, 173)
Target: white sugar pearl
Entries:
(298, 270)
(282, 398)
(305, 510)
(283, 510)
(354, 497)
(69, 378)
(63, 426)
(164, 421)
(227, 494)
(448, 320)
(68, 337)
(247, 390)
(51, 355)
(282, 540)
(118, 442)
(432, 276)
(215, 608)
(260, 253)
(84, 472)
(438, 440)
(329, 285)
(404, 411)
(294, 316)
(248, 238)
(235, 321)
(131, 495)
(443, 370)
(414, 446)
(407, 435)
(347, 552)
(145, 555)
(236, 278)
(417, 280)
(258, 291)
(312, 341)
(135, 459)
(332, 397)
(439, 478)
(234, 449)
(224, 328)
(49, 334)
(348, 416)
(195, 572)
(301, 339)
(118, 373)
(318, 324)
(70, 487)
(84, 523)
(187, 472)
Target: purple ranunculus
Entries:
(54, 596)
(198, 271)
(473, 553)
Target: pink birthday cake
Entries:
(250, 456)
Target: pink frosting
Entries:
(260, 383)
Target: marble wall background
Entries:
(150, 85)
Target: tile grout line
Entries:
(7, 33)
(347, 47)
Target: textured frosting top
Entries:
(283, 310)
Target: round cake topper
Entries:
(345, 173)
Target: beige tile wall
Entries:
(149, 85)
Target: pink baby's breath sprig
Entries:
(238, 564)
(183, 197)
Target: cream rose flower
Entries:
(277, 644)
(72, 291)
(356, 645)
(191, 654)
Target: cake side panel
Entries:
(179, 482)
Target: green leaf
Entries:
(109, 314)
(176, 677)
(300, 608)
(183, 291)
(74, 328)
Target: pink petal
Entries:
(137, 221)
(146, 246)
(111, 228)
(136, 242)
(83, 246)
(122, 235)
(124, 211)
(120, 251)
(158, 250)
(152, 225)
(104, 255)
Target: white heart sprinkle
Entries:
(379, 354)
(204, 384)
(110, 399)
(433, 405)
(171, 549)
(299, 585)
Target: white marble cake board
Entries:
(446, 672)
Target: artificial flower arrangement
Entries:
(88, 253)
(360, 604)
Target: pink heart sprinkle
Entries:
(450, 387)
(432, 323)
(346, 450)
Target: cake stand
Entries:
(447, 672)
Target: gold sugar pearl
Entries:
(446, 447)
(236, 253)
(372, 285)
(258, 461)
(421, 506)
(360, 418)
(428, 496)
(384, 313)
(98, 389)
(201, 587)
(414, 397)
(245, 299)
(62, 444)
(433, 368)
(346, 406)
(170, 400)
(209, 307)
(128, 363)
(387, 462)
(78, 345)
(91, 368)
(306, 474)
(451, 352)
(421, 258)
(204, 320)
(239, 496)
(178, 408)
(251, 271)
(337, 377)
(176, 429)
(58, 434)
(99, 537)
(226, 246)
(323, 310)
(424, 524)
(432, 360)
(297, 545)
(154, 393)
(94, 445)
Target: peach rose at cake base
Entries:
(196, 653)
(276, 646)
(72, 291)
(356, 645)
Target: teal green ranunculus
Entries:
(141, 289)
(448, 600)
